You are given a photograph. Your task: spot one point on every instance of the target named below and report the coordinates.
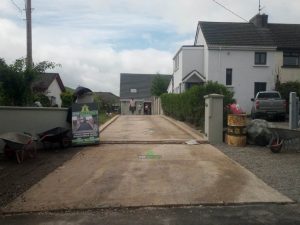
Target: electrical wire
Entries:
(17, 7)
(229, 10)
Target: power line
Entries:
(229, 10)
(17, 7)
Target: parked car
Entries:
(268, 104)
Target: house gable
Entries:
(51, 85)
(137, 86)
(194, 77)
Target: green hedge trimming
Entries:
(190, 105)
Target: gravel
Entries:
(280, 171)
(16, 178)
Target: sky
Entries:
(96, 40)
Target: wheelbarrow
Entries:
(59, 135)
(17, 144)
(284, 138)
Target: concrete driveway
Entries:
(133, 175)
(149, 129)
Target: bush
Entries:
(67, 99)
(43, 99)
(190, 105)
(285, 89)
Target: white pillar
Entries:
(214, 118)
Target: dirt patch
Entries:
(16, 179)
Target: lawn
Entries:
(103, 117)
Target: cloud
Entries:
(99, 69)
(12, 43)
(96, 40)
(95, 67)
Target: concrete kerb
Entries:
(105, 125)
(201, 139)
(160, 141)
(121, 207)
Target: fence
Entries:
(157, 109)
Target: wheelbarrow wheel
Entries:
(276, 146)
(65, 143)
(20, 156)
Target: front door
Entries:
(259, 86)
(147, 108)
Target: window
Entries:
(176, 63)
(267, 95)
(133, 90)
(260, 58)
(259, 86)
(291, 59)
(229, 77)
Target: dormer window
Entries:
(260, 58)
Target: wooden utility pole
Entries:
(29, 34)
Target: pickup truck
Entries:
(268, 103)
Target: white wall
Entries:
(54, 90)
(244, 72)
(193, 59)
(178, 74)
(170, 87)
(201, 41)
(190, 58)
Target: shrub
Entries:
(190, 105)
(67, 99)
(43, 99)
(286, 88)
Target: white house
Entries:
(246, 57)
(188, 68)
(51, 85)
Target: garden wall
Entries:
(31, 119)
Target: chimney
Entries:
(260, 20)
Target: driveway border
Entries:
(200, 138)
(106, 124)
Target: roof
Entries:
(247, 34)
(44, 80)
(286, 35)
(141, 82)
(108, 97)
(192, 73)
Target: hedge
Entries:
(285, 89)
(190, 105)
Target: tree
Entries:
(16, 81)
(160, 85)
(67, 99)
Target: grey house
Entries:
(138, 88)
